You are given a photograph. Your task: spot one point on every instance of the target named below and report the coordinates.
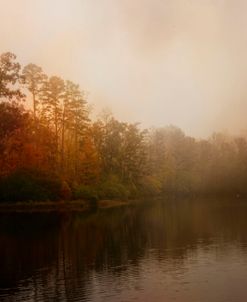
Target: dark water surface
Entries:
(171, 250)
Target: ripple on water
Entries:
(165, 253)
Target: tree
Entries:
(74, 123)
(52, 98)
(9, 77)
(18, 147)
(12, 117)
(121, 148)
(33, 77)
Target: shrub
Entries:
(85, 192)
(29, 184)
(65, 191)
(112, 188)
(150, 186)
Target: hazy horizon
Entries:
(154, 62)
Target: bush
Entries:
(29, 184)
(85, 192)
(112, 188)
(65, 191)
(150, 186)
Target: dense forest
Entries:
(54, 151)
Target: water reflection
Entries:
(166, 250)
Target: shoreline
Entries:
(60, 206)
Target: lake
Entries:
(167, 250)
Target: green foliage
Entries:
(112, 188)
(27, 184)
(150, 186)
(85, 192)
(122, 150)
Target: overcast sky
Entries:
(157, 62)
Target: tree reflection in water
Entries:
(148, 250)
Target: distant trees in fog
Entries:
(56, 141)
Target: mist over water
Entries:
(155, 62)
(123, 150)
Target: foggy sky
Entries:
(157, 62)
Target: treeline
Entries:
(55, 151)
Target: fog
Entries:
(151, 61)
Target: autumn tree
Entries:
(18, 147)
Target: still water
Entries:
(169, 250)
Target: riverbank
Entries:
(60, 206)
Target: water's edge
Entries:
(62, 206)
